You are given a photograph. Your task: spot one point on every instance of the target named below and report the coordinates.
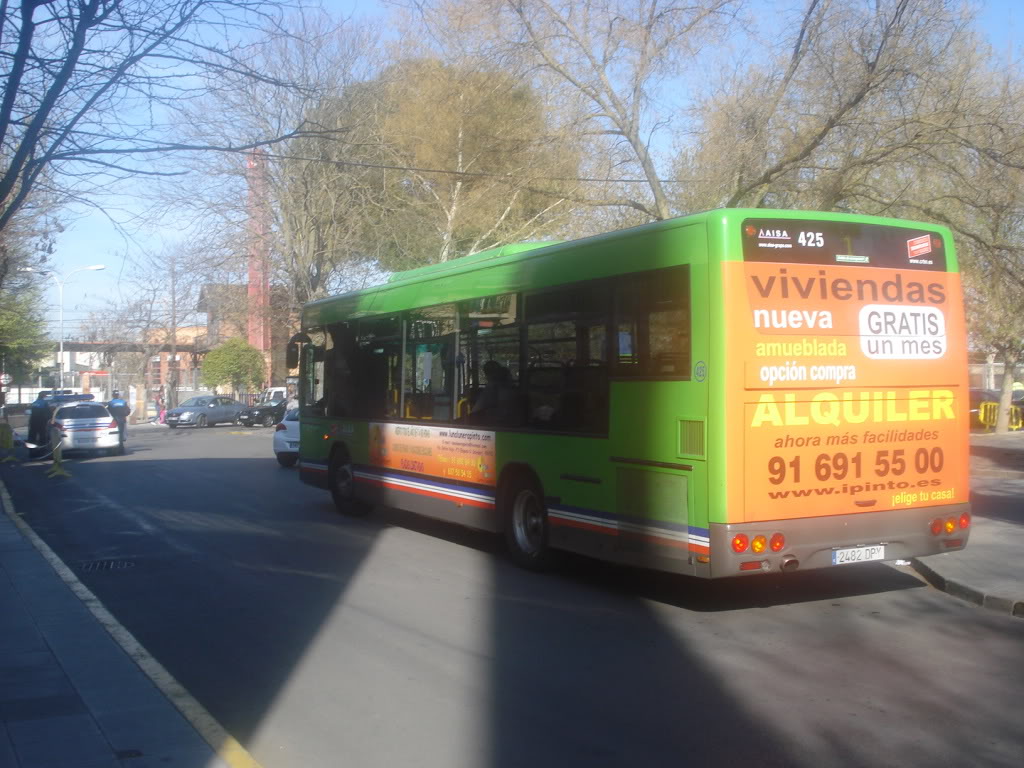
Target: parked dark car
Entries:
(264, 414)
(204, 411)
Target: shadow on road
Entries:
(244, 583)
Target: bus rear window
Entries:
(841, 243)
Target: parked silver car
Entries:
(204, 411)
(87, 426)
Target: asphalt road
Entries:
(318, 640)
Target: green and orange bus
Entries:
(736, 392)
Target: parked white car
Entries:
(286, 439)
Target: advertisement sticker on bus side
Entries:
(849, 360)
(465, 455)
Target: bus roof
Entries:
(402, 285)
(432, 270)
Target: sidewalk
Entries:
(989, 571)
(70, 695)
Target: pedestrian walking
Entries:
(120, 411)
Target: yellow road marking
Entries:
(223, 743)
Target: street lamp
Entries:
(60, 293)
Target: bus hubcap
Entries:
(528, 522)
(343, 481)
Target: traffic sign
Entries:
(5, 379)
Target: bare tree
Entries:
(862, 91)
(158, 297)
(306, 197)
(89, 87)
(615, 60)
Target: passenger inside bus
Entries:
(496, 403)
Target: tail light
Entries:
(777, 542)
(759, 544)
(740, 542)
(938, 526)
(280, 427)
(112, 424)
(59, 426)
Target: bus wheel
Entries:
(343, 487)
(526, 523)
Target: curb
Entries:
(1004, 605)
(221, 743)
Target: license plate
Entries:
(858, 554)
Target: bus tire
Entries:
(343, 486)
(526, 522)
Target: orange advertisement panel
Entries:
(847, 387)
(465, 455)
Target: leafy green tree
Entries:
(23, 339)
(234, 362)
(494, 126)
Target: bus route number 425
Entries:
(811, 239)
(858, 554)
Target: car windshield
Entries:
(292, 415)
(85, 411)
(193, 402)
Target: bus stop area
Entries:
(75, 692)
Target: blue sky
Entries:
(91, 239)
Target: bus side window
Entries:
(653, 324)
(341, 390)
(378, 362)
(313, 373)
(489, 342)
(567, 345)
(429, 387)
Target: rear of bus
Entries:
(845, 393)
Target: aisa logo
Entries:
(773, 234)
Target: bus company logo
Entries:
(773, 234)
(917, 248)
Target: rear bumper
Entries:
(810, 542)
(90, 442)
